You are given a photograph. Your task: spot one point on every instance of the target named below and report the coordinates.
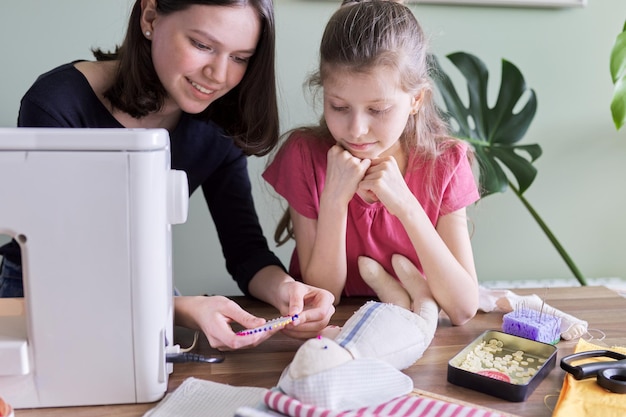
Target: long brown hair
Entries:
(248, 113)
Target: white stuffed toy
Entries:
(359, 364)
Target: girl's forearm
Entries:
(451, 279)
(327, 266)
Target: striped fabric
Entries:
(348, 337)
(404, 406)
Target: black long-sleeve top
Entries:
(63, 97)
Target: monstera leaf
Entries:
(492, 131)
(618, 75)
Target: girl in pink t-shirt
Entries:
(377, 193)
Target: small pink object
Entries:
(5, 409)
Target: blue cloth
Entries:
(10, 279)
(63, 97)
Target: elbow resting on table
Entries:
(460, 317)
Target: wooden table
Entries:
(602, 308)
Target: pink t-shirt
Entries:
(298, 173)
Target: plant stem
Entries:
(551, 236)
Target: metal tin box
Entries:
(505, 366)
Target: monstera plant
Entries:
(618, 75)
(494, 132)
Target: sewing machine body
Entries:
(92, 210)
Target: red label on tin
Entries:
(495, 375)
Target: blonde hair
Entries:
(362, 35)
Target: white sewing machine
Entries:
(92, 211)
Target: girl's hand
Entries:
(384, 181)
(343, 174)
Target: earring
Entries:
(148, 33)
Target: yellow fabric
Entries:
(585, 398)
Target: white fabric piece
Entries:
(355, 384)
(200, 398)
(255, 412)
(506, 301)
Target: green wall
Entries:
(563, 54)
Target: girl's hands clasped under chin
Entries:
(343, 174)
(384, 182)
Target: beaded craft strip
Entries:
(270, 325)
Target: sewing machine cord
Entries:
(185, 354)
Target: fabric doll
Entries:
(336, 369)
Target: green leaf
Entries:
(618, 104)
(523, 171)
(618, 76)
(493, 179)
(451, 99)
(492, 131)
(511, 127)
